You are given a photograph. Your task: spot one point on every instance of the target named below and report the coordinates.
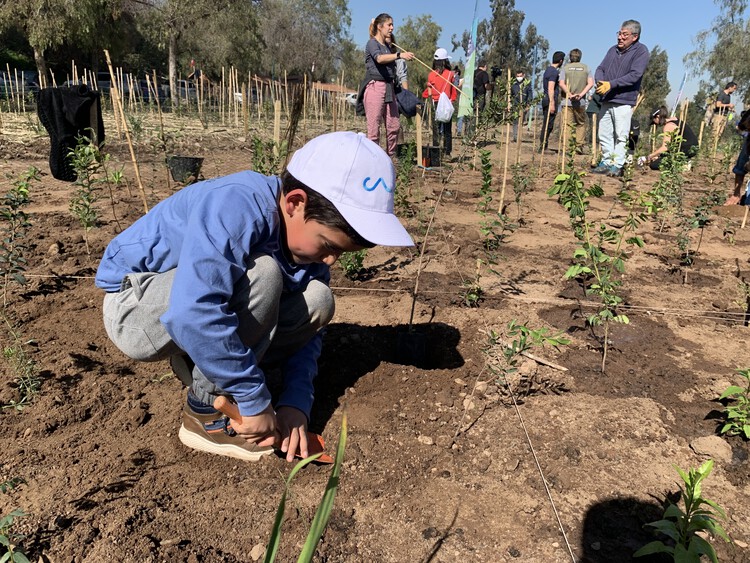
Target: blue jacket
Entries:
(624, 72)
(210, 230)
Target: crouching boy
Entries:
(230, 276)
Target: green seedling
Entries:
(495, 230)
(697, 219)
(268, 156)
(524, 339)
(10, 484)
(322, 515)
(406, 166)
(353, 263)
(523, 182)
(135, 126)
(10, 552)
(503, 356)
(26, 381)
(89, 163)
(14, 226)
(26, 377)
(729, 231)
(738, 413)
(600, 256)
(682, 526)
(472, 290)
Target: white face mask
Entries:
(519, 78)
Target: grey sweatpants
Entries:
(273, 324)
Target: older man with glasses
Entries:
(618, 81)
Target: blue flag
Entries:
(466, 101)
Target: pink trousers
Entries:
(376, 111)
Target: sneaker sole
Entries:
(192, 440)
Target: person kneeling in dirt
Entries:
(671, 127)
(229, 278)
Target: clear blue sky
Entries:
(670, 24)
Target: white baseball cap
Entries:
(358, 178)
(441, 54)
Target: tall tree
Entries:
(49, 23)
(501, 42)
(305, 36)
(655, 85)
(420, 36)
(721, 51)
(173, 22)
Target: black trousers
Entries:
(547, 125)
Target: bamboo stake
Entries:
(236, 100)
(744, 219)
(221, 102)
(519, 125)
(276, 126)
(334, 116)
(304, 110)
(700, 133)
(161, 127)
(245, 116)
(418, 125)
(507, 149)
(127, 135)
(286, 96)
(341, 101)
(12, 94)
(259, 93)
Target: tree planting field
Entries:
(451, 458)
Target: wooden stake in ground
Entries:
(162, 136)
(304, 112)
(127, 133)
(507, 149)
(563, 139)
(700, 133)
(418, 125)
(744, 219)
(276, 126)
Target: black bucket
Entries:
(430, 156)
(183, 168)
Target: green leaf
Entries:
(653, 547)
(682, 555)
(699, 547)
(732, 390)
(673, 511)
(320, 521)
(275, 540)
(19, 557)
(666, 527)
(5, 557)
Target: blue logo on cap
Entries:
(379, 181)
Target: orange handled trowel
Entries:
(315, 443)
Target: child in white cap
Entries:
(234, 271)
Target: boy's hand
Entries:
(260, 429)
(292, 424)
